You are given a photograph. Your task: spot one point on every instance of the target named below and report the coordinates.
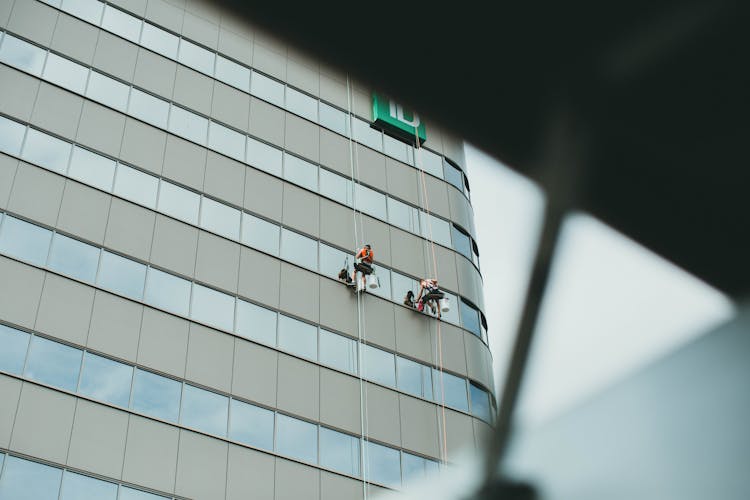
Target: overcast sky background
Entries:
(611, 306)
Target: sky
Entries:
(611, 305)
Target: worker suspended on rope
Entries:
(429, 294)
(363, 263)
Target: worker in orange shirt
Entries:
(363, 263)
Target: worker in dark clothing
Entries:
(363, 263)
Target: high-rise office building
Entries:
(178, 194)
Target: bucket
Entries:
(445, 304)
(372, 281)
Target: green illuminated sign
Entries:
(393, 119)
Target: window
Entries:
(301, 104)
(136, 186)
(364, 134)
(267, 89)
(226, 141)
(480, 403)
(454, 176)
(299, 249)
(414, 378)
(395, 149)
(298, 337)
(178, 202)
(382, 465)
(132, 494)
(27, 480)
(338, 351)
(213, 308)
(148, 108)
(11, 136)
(220, 219)
(22, 55)
(461, 242)
(333, 119)
(73, 258)
(121, 275)
(88, 10)
(452, 315)
(402, 215)
(336, 187)
(188, 125)
(25, 241)
(251, 425)
(80, 487)
(453, 388)
(46, 151)
(333, 260)
(159, 41)
(167, 292)
(256, 323)
(378, 366)
(384, 279)
(260, 234)
(106, 380)
(339, 451)
(107, 91)
(296, 438)
(264, 157)
(92, 169)
(120, 23)
(156, 396)
(401, 285)
(416, 468)
(65, 73)
(370, 201)
(234, 74)
(13, 354)
(434, 228)
(431, 163)
(196, 57)
(53, 363)
(470, 318)
(300, 172)
(204, 410)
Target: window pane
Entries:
(212, 307)
(232, 73)
(13, 353)
(260, 234)
(370, 201)
(80, 487)
(431, 162)
(378, 366)
(267, 89)
(121, 275)
(256, 323)
(26, 480)
(437, 229)
(204, 410)
(454, 176)
(395, 148)
(120, 23)
(131, 494)
(148, 108)
(480, 403)
(88, 10)
(301, 104)
(333, 119)
(65, 73)
(382, 465)
(74, 258)
(296, 439)
(453, 388)
(188, 125)
(178, 202)
(333, 260)
(106, 380)
(339, 451)
(299, 249)
(251, 425)
(220, 219)
(156, 396)
(136, 186)
(92, 169)
(414, 378)
(452, 315)
(336, 187)
(264, 157)
(368, 136)
(107, 91)
(402, 215)
(22, 55)
(300, 172)
(226, 141)
(159, 41)
(470, 318)
(415, 468)
(24, 241)
(338, 351)
(461, 242)
(167, 292)
(11, 136)
(401, 285)
(53, 363)
(196, 57)
(384, 278)
(298, 337)
(46, 151)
